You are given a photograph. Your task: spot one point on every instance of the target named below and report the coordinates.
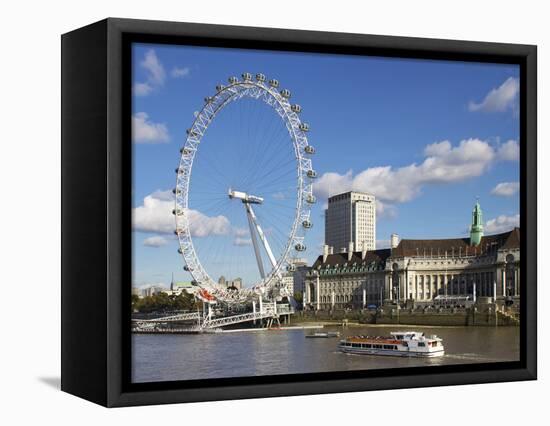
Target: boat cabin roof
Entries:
(407, 334)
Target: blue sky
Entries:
(425, 137)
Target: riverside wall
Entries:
(463, 317)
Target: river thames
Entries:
(168, 357)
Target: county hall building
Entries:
(424, 271)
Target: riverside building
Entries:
(294, 278)
(423, 271)
(351, 217)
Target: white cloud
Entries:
(332, 183)
(506, 189)
(155, 74)
(142, 89)
(155, 215)
(241, 232)
(146, 131)
(443, 163)
(242, 237)
(242, 242)
(499, 99)
(155, 241)
(163, 195)
(509, 151)
(155, 70)
(501, 224)
(279, 196)
(203, 226)
(180, 72)
(385, 210)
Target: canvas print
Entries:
(308, 213)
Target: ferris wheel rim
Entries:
(225, 95)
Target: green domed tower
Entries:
(476, 230)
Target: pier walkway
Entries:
(269, 312)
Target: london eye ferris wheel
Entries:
(244, 190)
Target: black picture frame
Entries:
(96, 211)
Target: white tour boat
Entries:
(399, 343)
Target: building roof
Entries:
(346, 195)
(183, 284)
(413, 248)
(340, 259)
(489, 243)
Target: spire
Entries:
(172, 283)
(476, 230)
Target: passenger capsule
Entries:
(176, 191)
(177, 212)
(307, 224)
(311, 199)
(220, 87)
(309, 149)
(247, 76)
(274, 83)
(233, 80)
(300, 247)
(208, 99)
(291, 268)
(296, 108)
(185, 151)
(285, 93)
(180, 251)
(311, 174)
(179, 170)
(191, 132)
(187, 268)
(304, 127)
(260, 77)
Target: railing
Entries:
(236, 319)
(179, 317)
(269, 310)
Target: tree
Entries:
(135, 301)
(184, 302)
(162, 302)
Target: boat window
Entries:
(355, 345)
(421, 344)
(377, 346)
(388, 346)
(399, 337)
(367, 345)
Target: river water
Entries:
(168, 357)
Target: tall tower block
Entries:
(351, 218)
